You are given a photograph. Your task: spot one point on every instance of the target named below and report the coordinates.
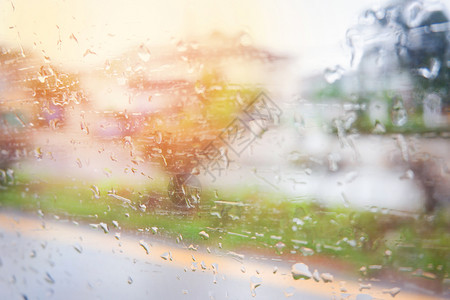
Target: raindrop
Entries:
(342, 289)
(289, 292)
(333, 74)
(399, 116)
(49, 278)
(300, 271)
(378, 128)
(95, 191)
(117, 235)
(144, 53)
(203, 265)
(326, 277)
(245, 40)
(79, 164)
(243, 269)
(130, 280)
(123, 199)
(409, 174)
(116, 224)
(204, 235)
(215, 268)
(393, 292)
(194, 266)
(166, 256)
(254, 283)
(432, 110)
(145, 246)
(181, 46)
(89, 51)
(159, 137)
(275, 270)
(78, 248)
(433, 71)
(38, 153)
(104, 226)
(316, 275)
(280, 246)
(306, 251)
(363, 286)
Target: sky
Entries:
(312, 31)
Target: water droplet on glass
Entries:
(280, 246)
(145, 246)
(393, 291)
(215, 268)
(49, 278)
(306, 251)
(166, 256)
(289, 292)
(432, 71)
(363, 286)
(326, 277)
(378, 128)
(104, 226)
(181, 46)
(245, 40)
(78, 248)
(432, 111)
(300, 271)
(204, 235)
(144, 53)
(95, 191)
(316, 275)
(243, 269)
(333, 74)
(194, 266)
(107, 65)
(203, 265)
(130, 280)
(399, 115)
(116, 224)
(254, 283)
(117, 235)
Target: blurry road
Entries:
(49, 258)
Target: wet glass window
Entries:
(225, 149)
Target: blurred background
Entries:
(331, 116)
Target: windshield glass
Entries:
(225, 150)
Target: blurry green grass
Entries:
(244, 218)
